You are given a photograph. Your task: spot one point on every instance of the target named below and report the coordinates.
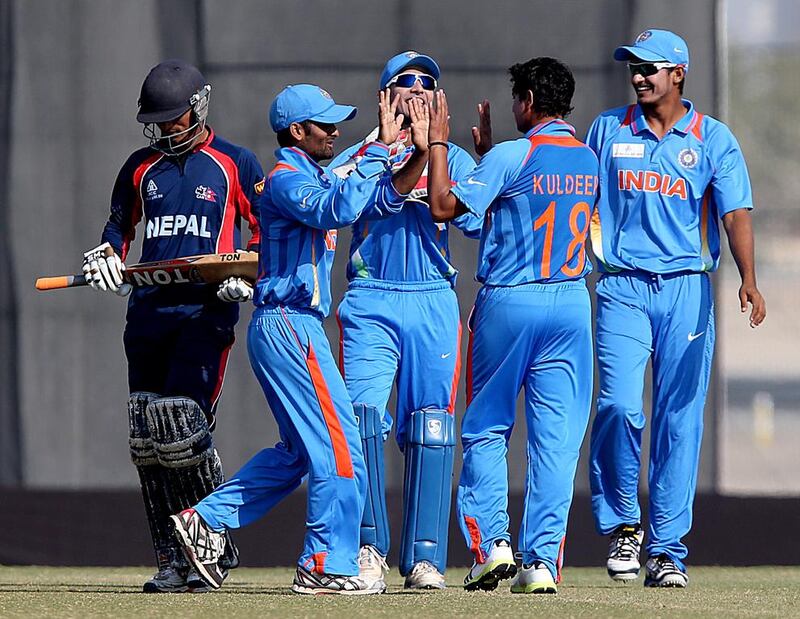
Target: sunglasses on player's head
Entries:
(646, 69)
(407, 80)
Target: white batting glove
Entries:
(235, 290)
(104, 272)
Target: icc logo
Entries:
(434, 426)
(688, 158)
(643, 37)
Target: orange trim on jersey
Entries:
(628, 116)
(536, 141)
(279, 167)
(341, 451)
(705, 252)
(560, 559)
(456, 374)
(697, 126)
(475, 539)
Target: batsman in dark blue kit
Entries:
(193, 190)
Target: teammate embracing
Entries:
(667, 172)
(302, 207)
(400, 325)
(192, 189)
(531, 324)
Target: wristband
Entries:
(445, 144)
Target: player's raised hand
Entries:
(750, 295)
(389, 121)
(482, 134)
(439, 130)
(420, 122)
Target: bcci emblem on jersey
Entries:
(688, 158)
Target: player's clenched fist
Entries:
(103, 269)
(235, 290)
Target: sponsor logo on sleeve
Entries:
(259, 186)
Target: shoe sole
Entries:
(488, 580)
(426, 587)
(623, 576)
(536, 588)
(666, 583)
(186, 543)
(301, 590)
(148, 588)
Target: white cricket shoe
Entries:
(534, 578)
(498, 566)
(310, 583)
(424, 575)
(372, 567)
(623, 552)
(166, 580)
(662, 571)
(202, 546)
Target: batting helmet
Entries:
(172, 88)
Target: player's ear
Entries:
(678, 73)
(529, 98)
(297, 131)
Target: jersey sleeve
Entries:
(730, 180)
(495, 171)
(339, 204)
(126, 208)
(461, 165)
(252, 181)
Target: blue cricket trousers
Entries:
(536, 337)
(669, 318)
(292, 360)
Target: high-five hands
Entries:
(482, 134)
(389, 121)
(439, 129)
(420, 121)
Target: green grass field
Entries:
(105, 592)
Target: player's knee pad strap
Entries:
(139, 440)
(375, 522)
(429, 450)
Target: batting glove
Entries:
(103, 270)
(235, 290)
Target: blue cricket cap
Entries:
(407, 59)
(656, 46)
(300, 102)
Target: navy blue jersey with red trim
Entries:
(189, 205)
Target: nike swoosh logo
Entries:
(305, 199)
(677, 51)
(693, 336)
(472, 181)
(446, 355)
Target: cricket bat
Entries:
(204, 269)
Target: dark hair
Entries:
(549, 80)
(285, 138)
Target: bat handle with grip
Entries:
(61, 281)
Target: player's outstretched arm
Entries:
(739, 228)
(443, 204)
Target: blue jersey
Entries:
(660, 200)
(537, 193)
(409, 246)
(189, 205)
(302, 207)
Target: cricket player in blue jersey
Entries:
(400, 325)
(192, 189)
(531, 324)
(667, 173)
(302, 206)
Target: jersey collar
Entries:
(292, 153)
(683, 126)
(551, 127)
